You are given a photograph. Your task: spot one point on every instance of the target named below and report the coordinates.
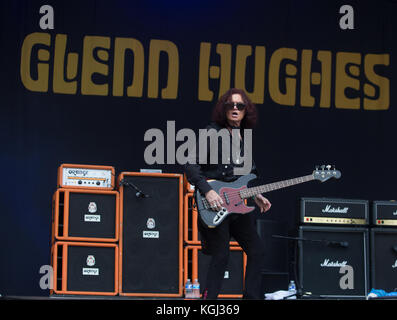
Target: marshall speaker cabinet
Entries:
(334, 211)
(151, 240)
(85, 268)
(196, 266)
(384, 213)
(85, 215)
(384, 258)
(333, 261)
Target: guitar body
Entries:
(232, 201)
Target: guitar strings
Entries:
(236, 195)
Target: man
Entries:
(234, 110)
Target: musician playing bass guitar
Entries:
(235, 112)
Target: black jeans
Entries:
(216, 242)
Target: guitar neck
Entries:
(250, 192)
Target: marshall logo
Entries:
(330, 209)
(327, 263)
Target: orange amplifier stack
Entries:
(196, 263)
(85, 231)
(136, 236)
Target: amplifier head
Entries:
(334, 211)
(384, 213)
(86, 176)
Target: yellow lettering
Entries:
(204, 93)
(347, 65)
(171, 90)
(315, 70)
(309, 78)
(287, 98)
(225, 51)
(307, 100)
(94, 45)
(41, 83)
(244, 51)
(325, 58)
(206, 72)
(381, 100)
(59, 83)
(120, 47)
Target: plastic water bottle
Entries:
(292, 286)
(188, 289)
(196, 289)
(292, 290)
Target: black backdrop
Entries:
(42, 128)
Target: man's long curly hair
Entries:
(219, 112)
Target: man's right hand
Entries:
(214, 200)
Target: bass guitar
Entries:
(235, 193)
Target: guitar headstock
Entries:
(325, 172)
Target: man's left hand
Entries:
(263, 203)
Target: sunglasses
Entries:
(230, 105)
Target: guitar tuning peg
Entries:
(316, 168)
(323, 167)
(328, 167)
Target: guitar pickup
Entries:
(226, 198)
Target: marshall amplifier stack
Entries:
(347, 247)
(333, 247)
(383, 239)
(135, 236)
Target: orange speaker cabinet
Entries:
(86, 176)
(187, 187)
(85, 215)
(190, 231)
(196, 264)
(151, 234)
(82, 268)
